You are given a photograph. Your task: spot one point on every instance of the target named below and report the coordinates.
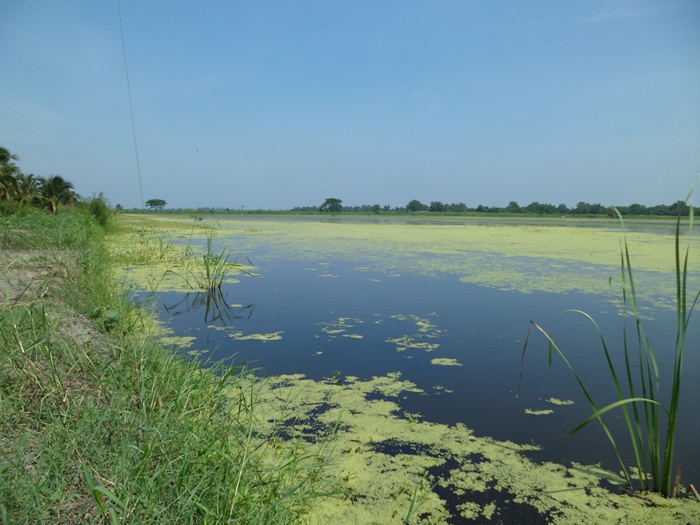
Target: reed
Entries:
(651, 425)
(209, 274)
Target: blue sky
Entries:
(276, 104)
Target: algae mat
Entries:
(523, 258)
(392, 468)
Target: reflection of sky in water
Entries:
(332, 317)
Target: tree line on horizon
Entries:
(18, 190)
(334, 205)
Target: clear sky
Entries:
(277, 104)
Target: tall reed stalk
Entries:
(209, 276)
(651, 425)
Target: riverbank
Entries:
(100, 423)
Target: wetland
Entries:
(400, 341)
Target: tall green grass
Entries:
(651, 425)
(99, 424)
(208, 274)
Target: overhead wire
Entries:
(131, 104)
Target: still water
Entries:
(361, 311)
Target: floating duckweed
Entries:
(534, 412)
(560, 402)
(382, 461)
(445, 361)
(405, 342)
(272, 336)
(521, 257)
(179, 342)
(426, 330)
(341, 325)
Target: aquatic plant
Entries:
(216, 267)
(208, 276)
(637, 387)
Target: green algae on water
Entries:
(544, 412)
(560, 402)
(265, 338)
(514, 257)
(445, 361)
(383, 462)
(178, 341)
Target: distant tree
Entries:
(636, 209)
(513, 207)
(458, 208)
(533, 207)
(376, 208)
(540, 209)
(437, 206)
(416, 205)
(331, 205)
(563, 209)
(584, 208)
(156, 204)
(679, 208)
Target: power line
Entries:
(131, 105)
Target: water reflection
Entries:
(213, 302)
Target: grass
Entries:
(99, 424)
(651, 425)
(215, 267)
(208, 275)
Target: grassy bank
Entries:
(98, 423)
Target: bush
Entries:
(100, 210)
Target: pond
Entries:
(447, 305)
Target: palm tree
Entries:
(6, 157)
(28, 189)
(8, 174)
(56, 190)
